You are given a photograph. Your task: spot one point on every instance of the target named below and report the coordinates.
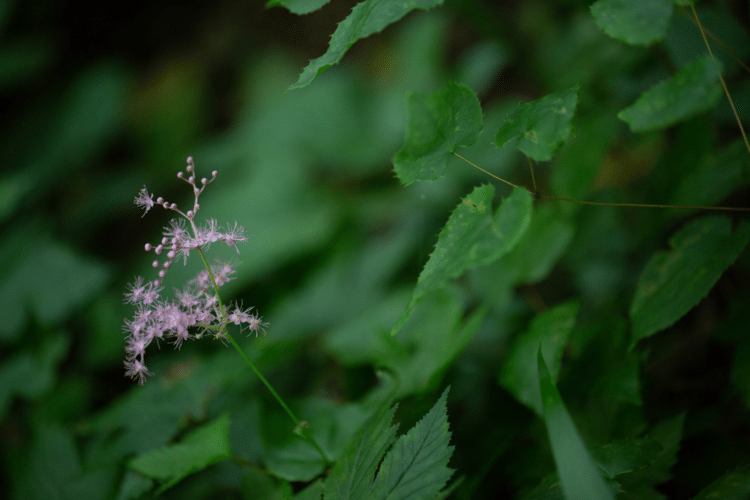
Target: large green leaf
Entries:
(540, 127)
(367, 17)
(579, 475)
(298, 7)
(734, 485)
(417, 465)
(472, 237)
(674, 282)
(694, 89)
(438, 123)
(550, 331)
(636, 22)
(204, 446)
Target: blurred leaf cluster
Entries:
(591, 351)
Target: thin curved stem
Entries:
(299, 426)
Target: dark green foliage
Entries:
(592, 351)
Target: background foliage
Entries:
(612, 337)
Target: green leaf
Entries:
(299, 7)
(472, 237)
(579, 476)
(351, 477)
(674, 282)
(694, 89)
(636, 22)
(550, 332)
(367, 17)
(733, 485)
(204, 446)
(626, 455)
(417, 465)
(41, 278)
(438, 123)
(540, 127)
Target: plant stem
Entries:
(299, 425)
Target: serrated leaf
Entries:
(540, 127)
(299, 7)
(417, 465)
(472, 237)
(579, 476)
(550, 332)
(636, 22)
(626, 455)
(674, 282)
(734, 485)
(367, 17)
(204, 446)
(438, 123)
(694, 89)
(351, 477)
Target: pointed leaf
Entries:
(579, 476)
(694, 89)
(674, 282)
(367, 17)
(351, 477)
(417, 465)
(550, 331)
(438, 123)
(204, 446)
(472, 237)
(540, 127)
(636, 22)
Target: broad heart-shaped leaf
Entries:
(674, 282)
(417, 465)
(550, 330)
(636, 22)
(438, 123)
(199, 449)
(734, 485)
(472, 237)
(540, 127)
(694, 89)
(367, 17)
(579, 475)
(299, 7)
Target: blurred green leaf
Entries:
(22, 60)
(734, 485)
(717, 174)
(50, 279)
(694, 89)
(637, 22)
(579, 476)
(549, 332)
(540, 127)
(202, 447)
(438, 123)
(367, 17)
(626, 455)
(31, 374)
(472, 237)
(674, 282)
(299, 7)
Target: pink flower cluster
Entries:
(198, 304)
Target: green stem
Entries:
(299, 425)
